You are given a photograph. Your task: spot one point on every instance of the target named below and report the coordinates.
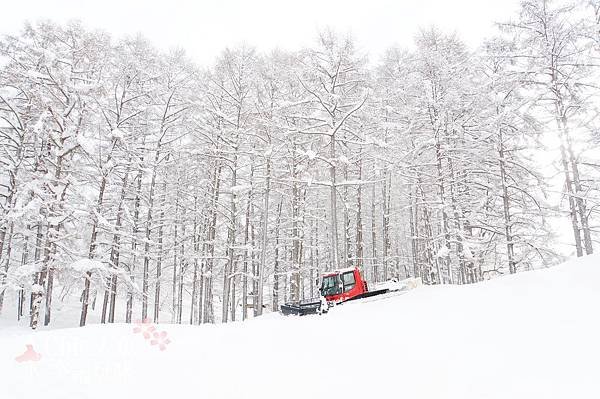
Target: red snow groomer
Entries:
(336, 287)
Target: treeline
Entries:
(148, 187)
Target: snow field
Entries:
(530, 335)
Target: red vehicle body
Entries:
(343, 285)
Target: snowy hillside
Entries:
(531, 335)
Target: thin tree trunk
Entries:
(359, 223)
(6, 261)
(149, 215)
(182, 269)
(276, 261)
(506, 208)
(233, 288)
(346, 216)
(208, 303)
(571, 200)
(24, 260)
(295, 276)
(571, 188)
(333, 202)
(159, 259)
(245, 264)
(312, 258)
(196, 248)
(231, 238)
(254, 263)
(37, 290)
(430, 260)
(456, 213)
(134, 233)
(375, 270)
(413, 212)
(265, 234)
(579, 200)
(174, 280)
(48, 251)
(385, 236)
(51, 247)
(441, 192)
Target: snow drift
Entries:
(531, 335)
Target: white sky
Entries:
(204, 27)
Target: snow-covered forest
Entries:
(145, 186)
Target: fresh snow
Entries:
(443, 252)
(531, 335)
(87, 144)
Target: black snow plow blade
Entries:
(301, 308)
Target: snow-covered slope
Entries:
(532, 335)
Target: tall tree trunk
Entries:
(175, 264)
(149, 216)
(295, 275)
(196, 248)
(107, 290)
(276, 261)
(24, 260)
(212, 231)
(182, 268)
(333, 202)
(506, 207)
(231, 238)
(52, 237)
(37, 290)
(6, 261)
(579, 200)
(134, 234)
(570, 195)
(359, 223)
(265, 234)
(374, 267)
(116, 247)
(346, 216)
(312, 257)
(571, 186)
(442, 196)
(245, 264)
(413, 212)
(385, 234)
(434, 274)
(456, 212)
(159, 259)
(48, 267)
(233, 288)
(254, 263)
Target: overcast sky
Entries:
(204, 27)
